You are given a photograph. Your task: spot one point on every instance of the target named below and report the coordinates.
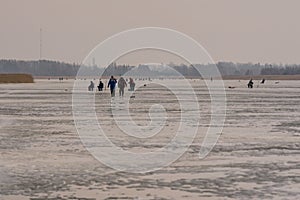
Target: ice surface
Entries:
(257, 155)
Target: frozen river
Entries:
(257, 155)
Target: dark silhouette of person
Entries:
(131, 84)
(263, 81)
(91, 86)
(112, 85)
(100, 86)
(121, 84)
(250, 83)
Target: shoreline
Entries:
(260, 77)
(16, 78)
(227, 77)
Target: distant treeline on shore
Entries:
(55, 68)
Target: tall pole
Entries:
(41, 42)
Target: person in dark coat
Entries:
(100, 86)
(112, 85)
(250, 84)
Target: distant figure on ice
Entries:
(91, 86)
(100, 86)
(263, 81)
(131, 84)
(112, 85)
(250, 84)
(121, 84)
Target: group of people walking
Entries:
(112, 83)
(121, 85)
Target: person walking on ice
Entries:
(121, 84)
(112, 85)
(131, 84)
(91, 86)
(250, 84)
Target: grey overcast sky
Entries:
(230, 30)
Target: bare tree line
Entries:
(55, 68)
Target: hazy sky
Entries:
(230, 30)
